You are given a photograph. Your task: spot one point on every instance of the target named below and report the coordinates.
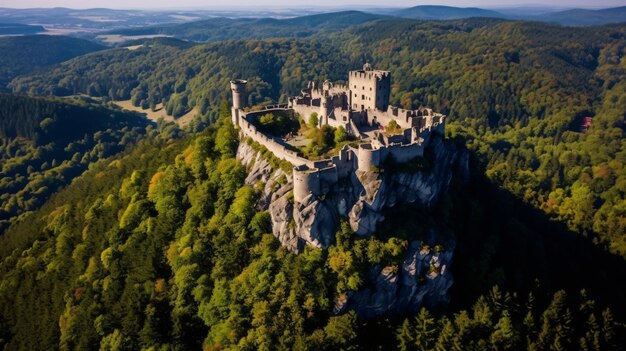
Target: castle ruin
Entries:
(362, 109)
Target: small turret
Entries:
(238, 89)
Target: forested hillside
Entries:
(19, 29)
(24, 54)
(221, 28)
(45, 143)
(163, 248)
(516, 91)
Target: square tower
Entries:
(369, 89)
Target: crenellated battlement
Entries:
(362, 108)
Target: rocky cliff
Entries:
(422, 278)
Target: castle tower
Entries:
(238, 89)
(326, 108)
(306, 181)
(369, 89)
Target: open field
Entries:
(159, 113)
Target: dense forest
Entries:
(25, 54)
(162, 245)
(163, 248)
(45, 143)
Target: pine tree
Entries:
(426, 330)
(447, 339)
(608, 329)
(404, 335)
(504, 336)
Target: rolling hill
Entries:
(585, 17)
(24, 54)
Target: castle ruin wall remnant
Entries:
(363, 103)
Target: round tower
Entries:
(306, 181)
(238, 88)
(326, 107)
(368, 157)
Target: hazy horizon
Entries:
(242, 4)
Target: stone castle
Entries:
(362, 108)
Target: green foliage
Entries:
(322, 141)
(223, 28)
(46, 142)
(393, 127)
(314, 121)
(24, 54)
(153, 250)
(494, 325)
(226, 140)
(278, 125)
(340, 135)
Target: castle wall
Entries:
(278, 149)
(305, 111)
(405, 153)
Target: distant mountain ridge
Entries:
(585, 17)
(435, 12)
(222, 28)
(571, 17)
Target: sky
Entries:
(208, 4)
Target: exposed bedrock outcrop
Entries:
(422, 279)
